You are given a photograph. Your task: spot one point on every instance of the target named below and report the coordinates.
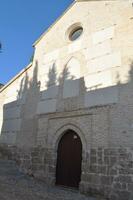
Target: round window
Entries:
(76, 33)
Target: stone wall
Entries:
(106, 172)
(85, 86)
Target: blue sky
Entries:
(21, 23)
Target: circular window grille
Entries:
(76, 33)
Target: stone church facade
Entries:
(79, 84)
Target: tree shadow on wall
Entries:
(31, 94)
(130, 73)
(66, 75)
(52, 76)
(19, 116)
(19, 125)
(20, 122)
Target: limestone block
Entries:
(100, 126)
(51, 56)
(44, 81)
(11, 125)
(105, 62)
(71, 88)
(13, 90)
(101, 96)
(9, 138)
(63, 51)
(98, 80)
(103, 35)
(49, 75)
(76, 46)
(10, 99)
(72, 70)
(97, 50)
(11, 113)
(47, 106)
(42, 124)
(50, 93)
(45, 68)
(21, 100)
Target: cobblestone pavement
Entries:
(15, 185)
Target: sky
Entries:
(21, 24)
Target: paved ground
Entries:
(14, 185)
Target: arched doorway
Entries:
(69, 158)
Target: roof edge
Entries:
(50, 27)
(15, 77)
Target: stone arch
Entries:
(72, 68)
(54, 138)
(62, 130)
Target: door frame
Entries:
(54, 140)
(61, 131)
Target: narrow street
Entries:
(15, 185)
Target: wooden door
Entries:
(68, 170)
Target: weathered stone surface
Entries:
(101, 97)
(18, 186)
(84, 85)
(102, 35)
(40, 162)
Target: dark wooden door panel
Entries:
(68, 170)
